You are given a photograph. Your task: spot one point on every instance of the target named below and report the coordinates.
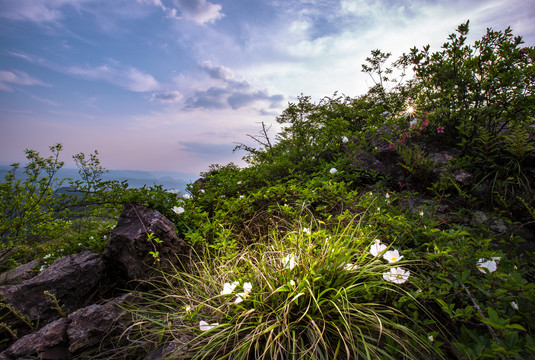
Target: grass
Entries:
(332, 302)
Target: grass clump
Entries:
(301, 295)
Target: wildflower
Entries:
(431, 339)
(333, 171)
(387, 196)
(228, 288)
(289, 261)
(396, 275)
(514, 305)
(186, 196)
(490, 265)
(377, 247)
(178, 210)
(413, 122)
(392, 256)
(204, 326)
(421, 213)
(440, 129)
(247, 287)
(292, 283)
(345, 139)
(350, 267)
(42, 268)
(306, 231)
(391, 146)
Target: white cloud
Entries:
(167, 96)
(9, 78)
(199, 11)
(126, 77)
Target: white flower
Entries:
(204, 326)
(178, 210)
(345, 139)
(430, 337)
(186, 196)
(350, 267)
(514, 305)
(292, 283)
(289, 261)
(42, 268)
(247, 287)
(333, 171)
(228, 288)
(392, 256)
(490, 265)
(396, 275)
(377, 247)
(306, 231)
(387, 196)
(421, 213)
(413, 122)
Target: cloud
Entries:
(167, 96)
(228, 92)
(217, 72)
(39, 11)
(8, 78)
(126, 77)
(199, 11)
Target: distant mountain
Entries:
(136, 178)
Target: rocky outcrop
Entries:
(62, 312)
(20, 273)
(68, 284)
(131, 256)
(68, 336)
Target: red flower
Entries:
(440, 129)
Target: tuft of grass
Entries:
(313, 294)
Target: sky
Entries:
(175, 85)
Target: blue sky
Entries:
(175, 84)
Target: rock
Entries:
(172, 349)
(73, 280)
(49, 342)
(128, 252)
(89, 325)
(20, 273)
(80, 332)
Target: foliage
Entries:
(310, 294)
(289, 237)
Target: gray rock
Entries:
(20, 273)
(128, 252)
(73, 280)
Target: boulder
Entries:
(130, 254)
(73, 282)
(20, 273)
(81, 331)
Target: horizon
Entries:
(175, 85)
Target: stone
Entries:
(73, 280)
(88, 326)
(128, 252)
(172, 349)
(20, 273)
(81, 331)
(50, 342)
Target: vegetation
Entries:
(313, 251)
